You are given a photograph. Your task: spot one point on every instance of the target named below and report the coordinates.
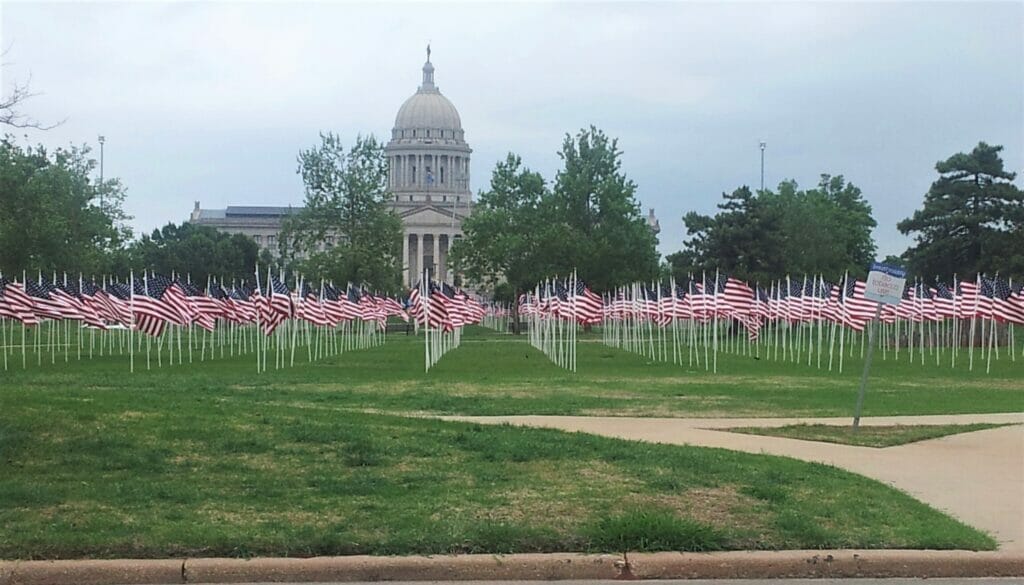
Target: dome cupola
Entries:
(428, 115)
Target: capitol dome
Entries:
(428, 115)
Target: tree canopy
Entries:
(759, 237)
(347, 231)
(51, 214)
(196, 251)
(972, 219)
(606, 236)
(503, 238)
(521, 232)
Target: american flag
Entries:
(371, 308)
(240, 299)
(69, 293)
(333, 305)
(276, 306)
(43, 304)
(414, 305)
(204, 310)
(737, 295)
(15, 304)
(856, 310)
(99, 301)
(966, 300)
(309, 308)
(438, 308)
(1004, 307)
(152, 314)
(943, 300)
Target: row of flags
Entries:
(793, 299)
(553, 311)
(566, 299)
(448, 307)
(152, 302)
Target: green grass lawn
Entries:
(494, 374)
(866, 436)
(214, 459)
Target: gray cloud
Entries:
(213, 101)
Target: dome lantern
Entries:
(427, 114)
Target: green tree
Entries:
(761, 237)
(52, 217)
(972, 219)
(744, 239)
(826, 230)
(604, 234)
(196, 251)
(347, 231)
(507, 236)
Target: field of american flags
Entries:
(157, 317)
(808, 320)
(238, 455)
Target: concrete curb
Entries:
(93, 572)
(720, 565)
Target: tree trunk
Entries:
(515, 312)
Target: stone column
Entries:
(442, 265)
(437, 255)
(420, 250)
(405, 259)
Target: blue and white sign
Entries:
(885, 284)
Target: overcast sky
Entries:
(212, 101)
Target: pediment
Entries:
(431, 216)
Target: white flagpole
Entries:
(131, 322)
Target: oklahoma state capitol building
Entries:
(428, 177)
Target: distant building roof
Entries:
(211, 213)
(258, 211)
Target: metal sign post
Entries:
(884, 286)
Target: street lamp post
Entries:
(763, 144)
(102, 141)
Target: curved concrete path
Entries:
(977, 477)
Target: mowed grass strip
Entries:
(492, 374)
(184, 471)
(866, 436)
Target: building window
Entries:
(414, 134)
(442, 175)
(444, 198)
(258, 239)
(414, 173)
(428, 133)
(271, 241)
(410, 197)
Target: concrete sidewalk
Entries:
(976, 477)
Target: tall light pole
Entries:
(102, 140)
(763, 144)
